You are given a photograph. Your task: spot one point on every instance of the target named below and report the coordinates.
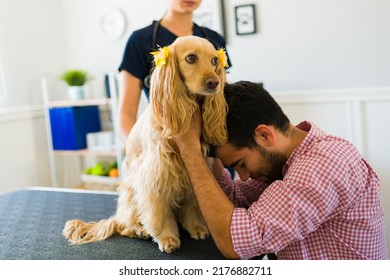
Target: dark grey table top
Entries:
(31, 222)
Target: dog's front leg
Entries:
(159, 221)
(191, 218)
(128, 223)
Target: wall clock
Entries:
(113, 24)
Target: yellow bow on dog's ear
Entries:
(160, 56)
(222, 57)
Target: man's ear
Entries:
(265, 135)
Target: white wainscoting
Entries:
(23, 148)
(20, 113)
(342, 112)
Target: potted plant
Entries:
(75, 79)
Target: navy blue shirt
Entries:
(137, 59)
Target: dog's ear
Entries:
(214, 112)
(172, 105)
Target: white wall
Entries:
(31, 45)
(336, 46)
(314, 44)
(86, 45)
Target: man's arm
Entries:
(217, 168)
(215, 206)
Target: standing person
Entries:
(302, 193)
(136, 64)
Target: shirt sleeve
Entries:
(242, 194)
(135, 57)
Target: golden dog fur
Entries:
(156, 191)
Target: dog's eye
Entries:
(191, 58)
(214, 61)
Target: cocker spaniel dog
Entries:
(156, 191)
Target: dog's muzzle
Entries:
(212, 83)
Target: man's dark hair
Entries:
(249, 106)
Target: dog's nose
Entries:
(212, 83)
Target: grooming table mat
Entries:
(31, 222)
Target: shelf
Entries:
(79, 157)
(85, 152)
(84, 102)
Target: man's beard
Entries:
(275, 163)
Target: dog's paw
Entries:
(143, 234)
(169, 244)
(199, 232)
(135, 232)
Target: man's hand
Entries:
(190, 141)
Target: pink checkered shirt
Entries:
(328, 205)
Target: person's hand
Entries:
(191, 139)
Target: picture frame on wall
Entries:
(245, 16)
(211, 14)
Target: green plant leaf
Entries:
(75, 77)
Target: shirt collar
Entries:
(314, 135)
